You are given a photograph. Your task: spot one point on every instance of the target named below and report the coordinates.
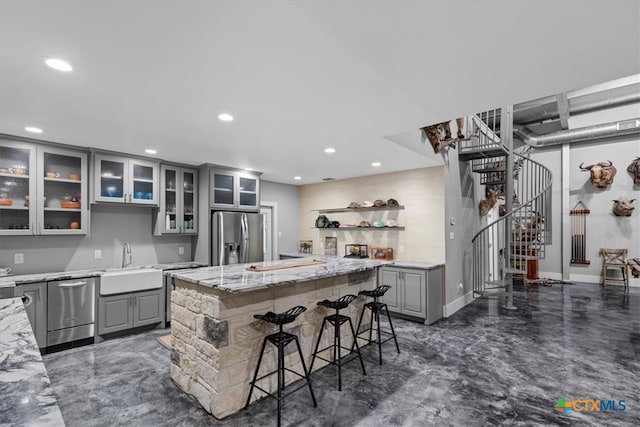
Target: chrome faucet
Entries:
(126, 249)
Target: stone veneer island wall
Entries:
(216, 340)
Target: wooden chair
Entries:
(615, 258)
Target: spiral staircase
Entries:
(508, 247)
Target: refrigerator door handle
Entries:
(220, 241)
(245, 238)
(264, 235)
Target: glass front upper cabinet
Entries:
(124, 180)
(178, 205)
(62, 192)
(234, 190)
(17, 188)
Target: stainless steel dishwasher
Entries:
(71, 310)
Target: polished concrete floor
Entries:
(482, 366)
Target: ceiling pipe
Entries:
(545, 109)
(589, 133)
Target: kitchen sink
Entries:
(132, 279)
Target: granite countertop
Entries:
(235, 278)
(416, 264)
(27, 395)
(10, 281)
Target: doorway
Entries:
(269, 210)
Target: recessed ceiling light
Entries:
(33, 129)
(329, 150)
(225, 117)
(150, 151)
(297, 178)
(58, 64)
(376, 164)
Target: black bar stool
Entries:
(280, 339)
(376, 307)
(337, 320)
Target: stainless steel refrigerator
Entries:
(237, 237)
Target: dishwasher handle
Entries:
(72, 285)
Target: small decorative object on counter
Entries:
(331, 246)
(305, 247)
(356, 250)
(382, 253)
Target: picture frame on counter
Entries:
(305, 247)
(330, 245)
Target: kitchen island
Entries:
(216, 340)
(27, 397)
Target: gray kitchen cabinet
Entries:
(125, 180)
(115, 313)
(36, 308)
(148, 307)
(231, 189)
(44, 190)
(414, 292)
(126, 311)
(178, 213)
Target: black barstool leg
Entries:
(338, 345)
(355, 343)
(359, 325)
(378, 333)
(371, 323)
(255, 375)
(280, 380)
(393, 333)
(315, 352)
(306, 373)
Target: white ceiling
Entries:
(298, 76)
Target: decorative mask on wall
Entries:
(601, 173)
(634, 170)
(623, 207)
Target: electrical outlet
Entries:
(180, 250)
(452, 235)
(18, 258)
(97, 254)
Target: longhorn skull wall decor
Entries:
(601, 173)
(623, 206)
(634, 169)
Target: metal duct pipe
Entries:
(544, 109)
(589, 133)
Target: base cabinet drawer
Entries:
(127, 311)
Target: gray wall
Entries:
(111, 225)
(604, 229)
(462, 194)
(287, 198)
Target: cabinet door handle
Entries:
(39, 294)
(33, 228)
